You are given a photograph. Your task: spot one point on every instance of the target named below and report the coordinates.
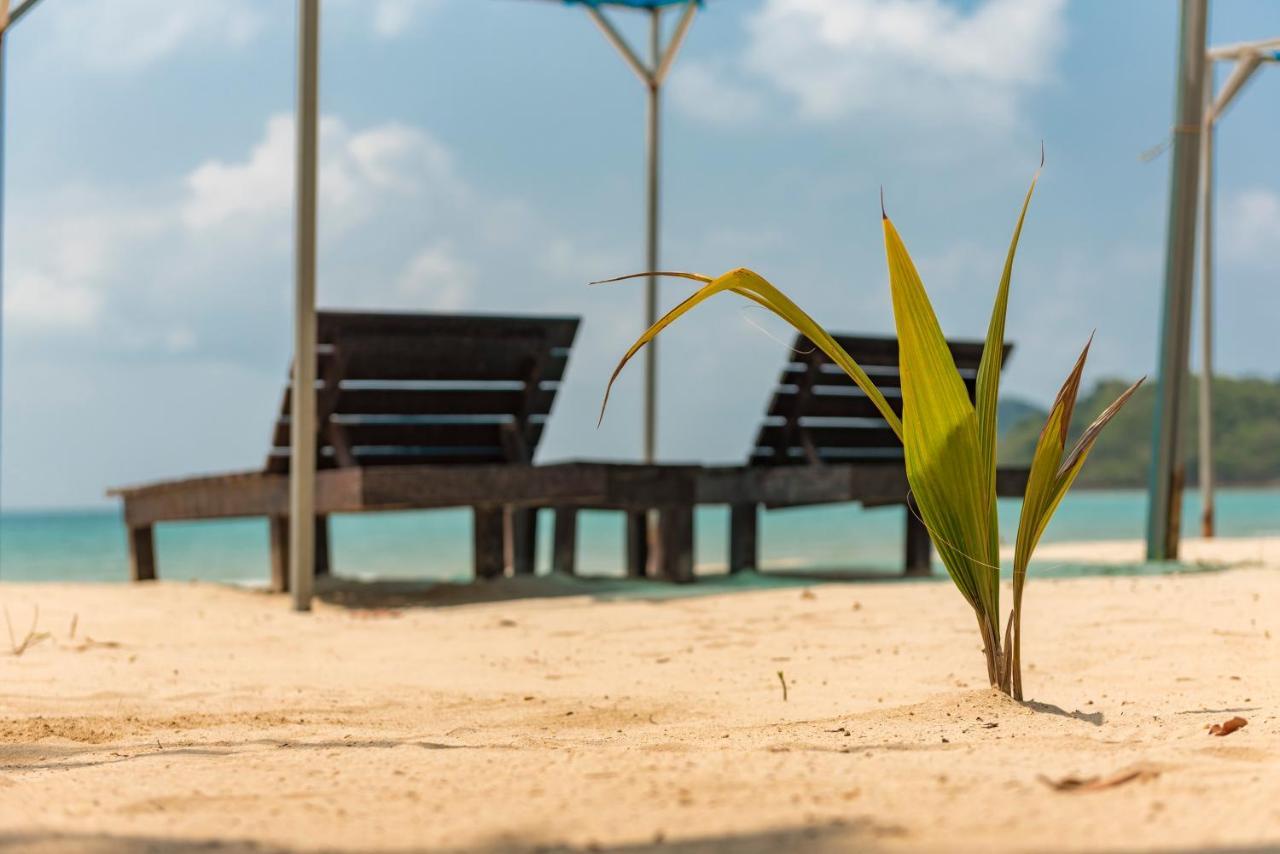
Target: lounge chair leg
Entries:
(743, 543)
(323, 566)
(672, 557)
(520, 550)
(919, 558)
(279, 531)
(565, 548)
(637, 557)
(487, 538)
(142, 553)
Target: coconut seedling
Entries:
(949, 441)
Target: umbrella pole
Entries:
(652, 75)
(653, 144)
(1206, 311)
(302, 422)
(1175, 325)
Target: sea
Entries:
(89, 544)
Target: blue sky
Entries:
(485, 155)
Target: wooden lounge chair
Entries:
(822, 442)
(414, 410)
(819, 424)
(429, 411)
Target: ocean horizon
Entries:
(89, 544)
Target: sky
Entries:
(487, 155)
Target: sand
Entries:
(549, 715)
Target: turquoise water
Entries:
(90, 545)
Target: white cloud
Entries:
(355, 169)
(126, 35)
(202, 269)
(707, 91)
(919, 59)
(1250, 227)
(392, 18)
(39, 303)
(437, 279)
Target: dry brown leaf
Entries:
(1093, 784)
(1228, 727)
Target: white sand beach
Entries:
(561, 715)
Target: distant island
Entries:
(1246, 439)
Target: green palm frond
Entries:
(949, 442)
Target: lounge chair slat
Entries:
(812, 387)
(436, 401)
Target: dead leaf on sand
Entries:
(1093, 784)
(1228, 727)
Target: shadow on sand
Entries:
(860, 835)
(1094, 718)
(355, 593)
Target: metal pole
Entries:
(1162, 530)
(1206, 309)
(21, 11)
(652, 145)
(302, 427)
(4, 25)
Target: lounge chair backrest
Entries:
(818, 415)
(399, 389)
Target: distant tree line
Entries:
(1246, 433)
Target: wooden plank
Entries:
(385, 433)
(564, 552)
(743, 542)
(601, 485)
(278, 531)
(1011, 481)
(671, 555)
(142, 553)
(831, 378)
(520, 540)
(370, 458)
(331, 326)
(919, 548)
(487, 542)
(454, 486)
(643, 486)
(636, 559)
(414, 360)
(828, 402)
(876, 350)
(827, 436)
(324, 564)
(235, 495)
(440, 401)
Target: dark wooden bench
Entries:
(818, 418)
(425, 411)
(822, 442)
(399, 392)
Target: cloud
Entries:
(37, 302)
(708, 91)
(392, 18)
(200, 270)
(1251, 225)
(923, 60)
(126, 35)
(356, 168)
(437, 278)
